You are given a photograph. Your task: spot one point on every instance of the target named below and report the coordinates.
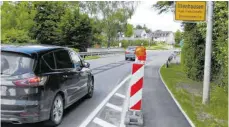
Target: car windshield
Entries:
(15, 64)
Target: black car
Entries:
(38, 82)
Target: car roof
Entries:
(29, 49)
(131, 46)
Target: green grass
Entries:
(91, 57)
(157, 47)
(215, 114)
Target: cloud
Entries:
(145, 14)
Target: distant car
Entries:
(130, 53)
(39, 82)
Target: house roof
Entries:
(138, 32)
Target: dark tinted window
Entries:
(49, 59)
(63, 59)
(47, 63)
(15, 64)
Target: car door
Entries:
(83, 73)
(69, 73)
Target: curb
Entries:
(177, 103)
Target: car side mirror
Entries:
(86, 64)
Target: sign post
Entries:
(208, 50)
(195, 11)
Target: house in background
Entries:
(163, 36)
(140, 33)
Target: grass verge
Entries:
(91, 57)
(158, 47)
(189, 94)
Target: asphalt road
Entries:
(159, 108)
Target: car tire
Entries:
(58, 106)
(126, 58)
(90, 89)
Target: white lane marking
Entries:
(175, 100)
(117, 108)
(135, 98)
(137, 75)
(100, 106)
(120, 95)
(103, 123)
(125, 107)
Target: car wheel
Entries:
(126, 58)
(56, 113)
(90, 89)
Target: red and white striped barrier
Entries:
(136, 85)
(134, 114)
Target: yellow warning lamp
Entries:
(140, 51)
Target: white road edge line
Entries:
(125, 107)
(120, 95)
(117, 108)
(100, 106)
(177, 103)
(103, 123)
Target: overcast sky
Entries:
(145, 14)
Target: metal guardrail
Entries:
(171, 57)
(83, 54)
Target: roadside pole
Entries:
(208, 50)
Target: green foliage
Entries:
(16, 20)
(76, 30)
(193, 52)
(163, 6)
(178, 37)
(45, 29)
(129, 30)
(113, 16)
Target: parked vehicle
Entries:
(130, 53)
(38, 82)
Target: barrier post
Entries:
(134, 115)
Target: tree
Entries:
(129, 30)
(178, 37)
(163, 6)
(75, 28)
(112, 14)
(16, 21)
(45, 29)
(139, 27)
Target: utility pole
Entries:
(208, 50)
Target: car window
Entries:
(16, 64)
(47, 63)
(63, 59)
(49, 59)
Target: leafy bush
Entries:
(193, 52)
